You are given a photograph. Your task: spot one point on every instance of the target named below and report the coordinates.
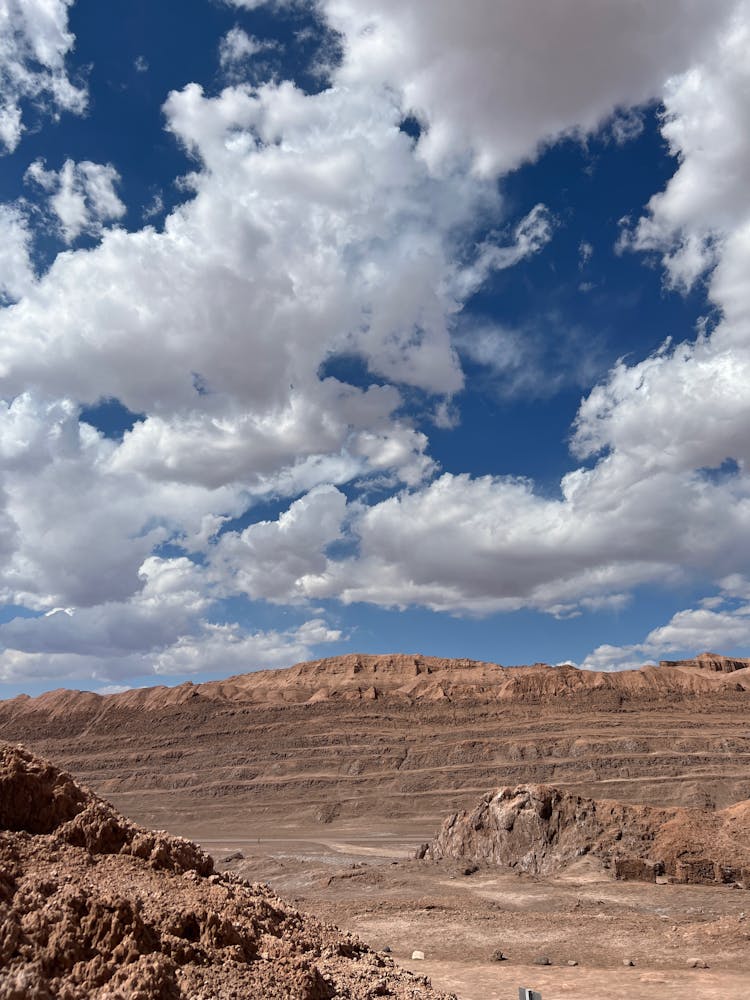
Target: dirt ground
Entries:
(365, 880)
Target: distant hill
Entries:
(397, 735)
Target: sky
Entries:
(400, 326)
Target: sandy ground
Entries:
(365, 880)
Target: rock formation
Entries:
(710, 661)
(93, 906)
(541, 830)
(352, 736)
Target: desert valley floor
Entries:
(326, 777)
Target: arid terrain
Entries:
(328, 776)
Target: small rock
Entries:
(417, 956)
(572, 963)
(470, 869)
(498, 956)
(542, 960)
(697, 963)
(386, 950)
(628, 961)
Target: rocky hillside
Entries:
(541, 830)
(406, 679)
(710, 661)
(359, 736)
(93, 906)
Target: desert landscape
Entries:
(364, 790)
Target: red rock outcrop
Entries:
(93, 907)
(710, 661)
(541, 830)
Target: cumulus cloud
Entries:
(503, 79)
(650, 505)
(493, 544)
(725, 626)
(213, 648)
(34, 41)
(704, 122)
(276, 559)
(314, 228)
(237, 47)
(16, 269)
(82, 195)
(161, 629)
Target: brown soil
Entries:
(360, 876)
(92, 906)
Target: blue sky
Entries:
(332, 326)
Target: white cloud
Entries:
(81, 195)
(530, 236)
(49, 462)
(160, 629)
(493, 544)
(705, 124)
(227, 649)
(275, 559)
(212, 648)
(315, 229)
(724, 625)
(503, 79)
(34, 41)
(649, 509)
(237, 47)
(16, 270)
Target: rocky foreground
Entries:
(94, 906)
(542, 830)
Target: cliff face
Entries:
(93, 907)
(356, 736)
(408, 679)
(710, 661)
(541, 830)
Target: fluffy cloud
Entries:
(705, 115)
(315, 229)
(493, 544)
(502, 79)
(720, 624)
(212, 648)
(162, 629)
(237, 46)
(275, 559)
(16, 270)
(80, 529)
(82, 195)
(658, 500)
(34, 41)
